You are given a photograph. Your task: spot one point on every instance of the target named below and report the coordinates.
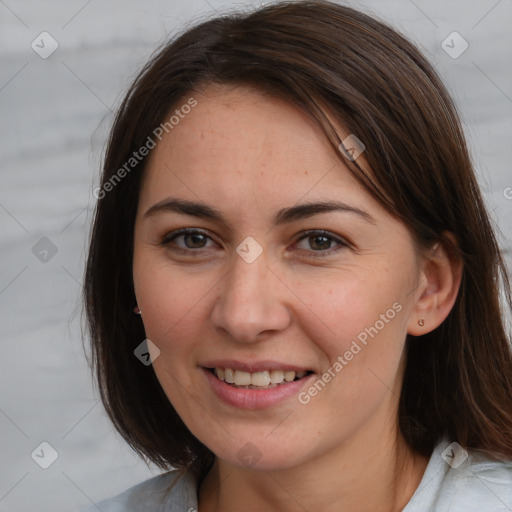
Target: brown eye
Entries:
(320, 242)
(194, 240)
(185, 239)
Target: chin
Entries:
(261, 455)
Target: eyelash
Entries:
(170, 237)
(342, 244)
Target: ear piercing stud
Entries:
(137, 310)
(421, 322)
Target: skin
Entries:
(302, 301)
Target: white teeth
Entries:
(276, 376)
(229, 376)
(242, 378)
(289, 376)
(262, 379)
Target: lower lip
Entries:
(254, 398)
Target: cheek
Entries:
(174, 303)
(174, 313)
(348, 306)
(358, 323)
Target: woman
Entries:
(293, 285)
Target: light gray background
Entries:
(55, 114)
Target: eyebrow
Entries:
(184, 206)
(283, 216)
(303, 211)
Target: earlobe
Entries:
(440, 283)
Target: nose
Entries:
(252, 302)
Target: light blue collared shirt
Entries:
(455, 480)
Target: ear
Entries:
(439, 281)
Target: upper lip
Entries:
(254, 366)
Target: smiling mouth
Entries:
(257, 380)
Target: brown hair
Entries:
(324, 58)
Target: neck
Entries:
(366, 472)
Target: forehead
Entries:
(240, 147)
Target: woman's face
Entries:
(287, 264)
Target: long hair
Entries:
(331, 62)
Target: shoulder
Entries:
(175, 490)
(481, 483)
(459, 480)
